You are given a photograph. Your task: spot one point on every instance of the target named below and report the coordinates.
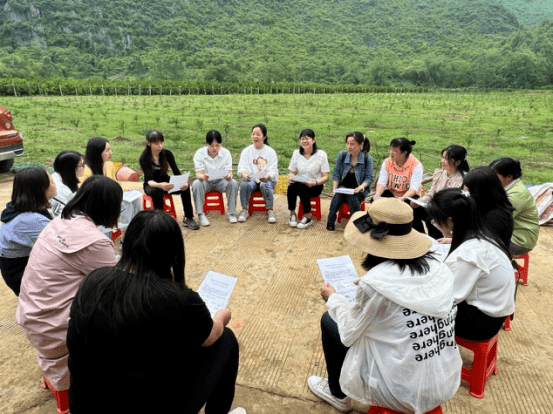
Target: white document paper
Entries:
(439, 250)
(258, 175)
(341, 273)
(349, 191)
(178, 181)
(299, 178)
(215, 291)
(215, 174)
(420, 203)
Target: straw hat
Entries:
(385, 230)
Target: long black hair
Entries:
(99, 198)
(29, 190)
(486, 190)
(457, 205)
(93, 155)
(417, 265)
(152, 136)
(152, 264)
(65, 165)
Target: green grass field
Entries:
(489, 125)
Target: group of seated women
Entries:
(95, 320)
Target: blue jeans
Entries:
(354, 203)
(267, 190)
(335, 354)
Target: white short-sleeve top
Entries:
(311, 168)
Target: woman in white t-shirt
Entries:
(311, 164)
(258, 167)
(484, 286)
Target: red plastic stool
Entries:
(382, 410)
(315, 208)
(62, 397)
(214, 201)
(343, 213)
(522, 272)
(257, 203)
(168, 205)
(484, 363)
(507, 324)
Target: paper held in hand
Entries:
(178, 181)
(299, 178)
(341, 273)
(215, 291)
(258, 175)
(215, 174)
(342, 190)
(420, 203)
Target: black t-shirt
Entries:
(147, 367)
(152, 171)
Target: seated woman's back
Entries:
(155, 354)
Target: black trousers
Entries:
(12, 271)
(157, 198)
(335, 354)
(305, 194)
(214, 383)
(473, 324)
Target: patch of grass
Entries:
(489, 125)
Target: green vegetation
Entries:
(489, 125)
(443, 43)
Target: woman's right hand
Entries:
(166, 186)
(246, 177)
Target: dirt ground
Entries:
(276, 310)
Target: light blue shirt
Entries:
(18, 236)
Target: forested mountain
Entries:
(448, 43)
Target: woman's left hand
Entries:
(311, 183)
(327, 290)
(184, 187)
(359, 189)
(265, 179)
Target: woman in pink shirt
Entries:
(68, 249)
(454, 166)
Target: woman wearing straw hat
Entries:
(395, 346)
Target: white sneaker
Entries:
(232, 219)
(204, 222)
(319, 387)
(272, 217)
(305, 222)
(293, 221)
(238, 410)
(243, 216)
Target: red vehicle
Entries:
(11, 143)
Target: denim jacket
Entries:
(364, 172)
